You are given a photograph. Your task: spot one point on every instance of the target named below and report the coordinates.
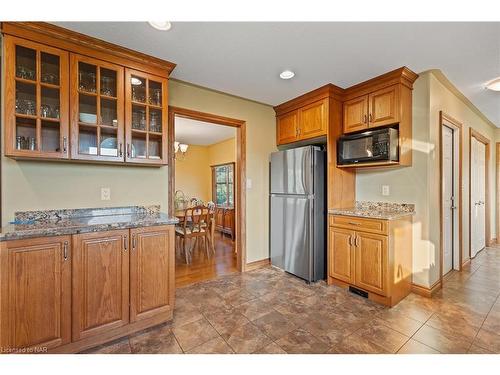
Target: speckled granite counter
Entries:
(376, 210)
(29, 224)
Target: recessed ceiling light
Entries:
(135, 81)
(161, 25)
(494, 85)
(286, 74)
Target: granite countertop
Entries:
(376, 210)
(29, 224)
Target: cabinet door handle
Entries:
(65, 144)
(125, 243)
(121, 149)
(134, 242)
(65, 250)
(364, 119)
(356, 242)
(350, 240)
(128, 150)
(370, 118)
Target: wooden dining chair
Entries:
(194, 226)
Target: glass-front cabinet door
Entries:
(97, 126)
(36, 100)
(145, 118)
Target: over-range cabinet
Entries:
(298, 212)
(71, 97)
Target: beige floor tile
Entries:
(254, 309)
(247, 339)
(442, 341)
(194, 334)
(488, 340)
(155, 341)
(355, 344)
(415, 347)
(216, 345)
(275, 325)
(301, 342)
(399, 322)
(377, 332)
(272, 348)
(226, 321)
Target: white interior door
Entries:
(478, 196)
(448, 199)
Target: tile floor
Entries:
(268, 311)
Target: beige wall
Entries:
(193, 173)
(261, 141)
(51, 185)
(419, 184)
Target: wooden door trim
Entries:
(484, 140)
(447, 120)
(240, 196)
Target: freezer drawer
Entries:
(291, 220)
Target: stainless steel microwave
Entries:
(371, 146)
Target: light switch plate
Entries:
(385, 190)
(105, 194)
(249, 183)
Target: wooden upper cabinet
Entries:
(97, 114)
(313, 119)
(35, 293)
(371, 260)
(146, 118)
(355, 114)
(287, 128)
(36, 100)
(100, 282)
(383, 108)
(66, 98)
(340, 254)
(151, 272)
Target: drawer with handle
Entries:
(359, 224)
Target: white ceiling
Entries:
(200, 133)
(245, 59)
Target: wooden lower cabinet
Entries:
(152, 265)
(379, 264)
(341, 254)
(225, 221)
(100, 282)
(70, 293)
(371, 262)
(35, 304)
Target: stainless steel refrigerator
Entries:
(298, 212)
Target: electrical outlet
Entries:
(105, 194)
(385, 190)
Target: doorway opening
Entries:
(451, 194)
(206, 194)
(479, 205)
